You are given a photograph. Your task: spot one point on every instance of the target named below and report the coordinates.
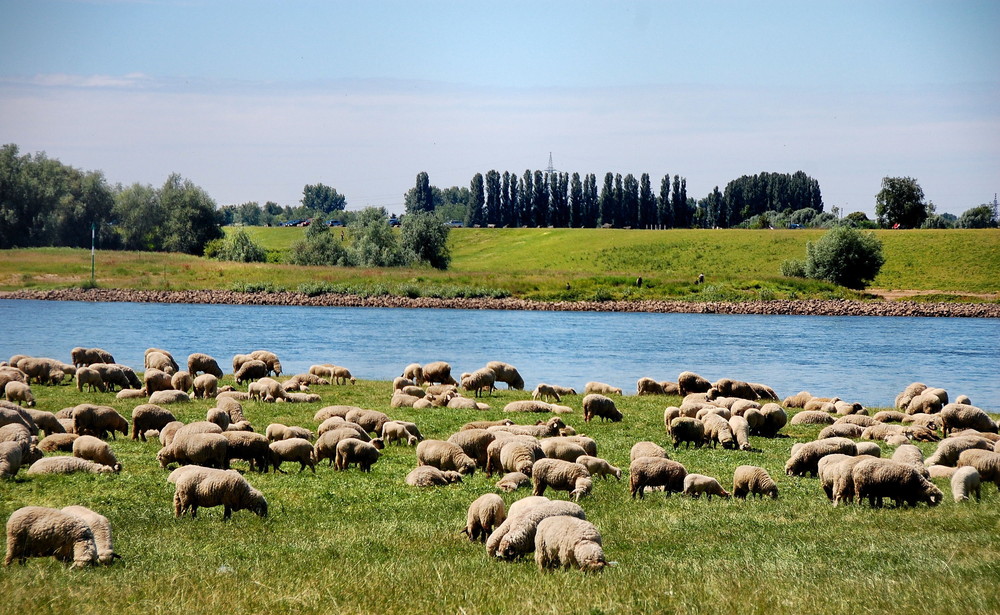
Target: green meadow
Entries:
(351, 542)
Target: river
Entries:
(865, 359)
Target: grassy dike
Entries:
(348, 542)
(596, 264)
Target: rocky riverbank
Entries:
(804, 307)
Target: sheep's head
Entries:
(452, 476)
(256, 503)
(583, 487)
(932, 495)
(590, 556)
(378, 443)
(468, 466)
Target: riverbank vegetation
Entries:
(352, 542)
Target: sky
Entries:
(254, 99)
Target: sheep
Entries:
(602, 388)
(326, 444)
(89, 378)
(885, 431)
(567, 542)
(763, 391)
(805, 459)
(169, 397)
(690, 382)
(413, 391)
(269, 359)
(599, 467)
(302, 398)
(798, 400)
(926, 402)
(335, 422)
(986, 462)
(352, 451)
(992, 437)
(473, 442)
(57, 442)
(841, 476)
(561, 475)
(888, 416)
(330, 411)
(156, 380)
(740, 428)
(182, 381)
(445, 456)
(487, 424)
(45, 421)
(705, 411)
(841, 430)
(160, 359)
(438, 372)
(911, 456)
(218, 416)
(479, 380)
(549, 428)
(266, 389)
(595, 404)
(936, 471)
(506, 373)
(11, 454)
(414, 372)
(755, 420)
(98, 421)
(250, 370)
(648, 386)
(774, 419)
(149, 416)
(371, 420)
(19, 392)
(697, 484)
(827, 471)
(717, 431)
(464, 403)
(513, 455)
(341, 375)
(206, 488)
(89, 356)
(875, 479)
(277, 431)
(512, 481)
(485, 513)
(741, 406)
(429, 476)
(812, 417)
(66, 465)
(559, 448)
(861, 420)
(203, 449)
(199, 362)
(963, 399)
(655, 472)
(240, 426)
(961, 416)
(965, 482)
(98, 451)
(395, 431)
(727, 387)
(168, 432)
(647, 449)
(687, 430)
(292, 449)
(516, 535)
(247, 446)
(753, 480)
(543, 391)
(101, 528)
(35, 531)
(528, 405)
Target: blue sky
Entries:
(254, 99)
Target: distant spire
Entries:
(551, 170)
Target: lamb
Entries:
(717, 431)
(247, 446)
(595, 404)
(805, 459)
(697, 484)
(507, 374)
(266, 389)
(741, 432)
(250, 370)
(965, 482)
(479, 380)
(162, 398)
(293, 449)
(277, 431)
(655, 472)
(351, 451)
(341, 375)
(395, 431)
(35, 531)
(543, 391)
(19, 392)
(90, 378)
(206, 487)
(10, 458)
(986, 462)
(57, 442)
(445, 456)
(199, 362)
(812, 417)
(601, 388)
(89, 356)
(875, 479)
(149, 416)
(568, 542)
(473, 442)
(687, 430)
(961, 416)
(485, 513)
(414, 372)
(203, 449)
(599, 467)
(438, 372)
(647, 449)
(512, 481)
(516, 535)
(561, 475)
(753, 480)
(429, 476)
(98, 451)
(66, 465)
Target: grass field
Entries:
(349, 542)
(596, 264)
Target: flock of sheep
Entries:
(544, 454)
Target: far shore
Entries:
(805, 307)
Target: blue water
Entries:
(865, 359)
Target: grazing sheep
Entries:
(911, 391)
(690, 382)
(162, 398)
(561, 475)
(269, 359)
(326, 444)
(828, 473)
(352, 451)
(98, 421)
(293, 449)
(513, 455)
(986, 462)
(19, 392)
(445, 456)
(763, 391)
(395, 431)
(182, 381)
(35, 531)
(726, 387)
(753, 480)
(812, 417)
(429, 476)
(399, 383)
(341, 375)
(157, 358)
(203, 449)
(206, 488)
(218, 416)
(473, 442)
(558, 448)
(45, 421)
(599, 467)
(200, 362)
(774, 419)
(805, 459)
(267, 390)
(647, 449)
(149, 416)
(251, 370)
(479, 380)
(841, 475)
(277, 431)
(706, 410)
(568, 542)
(964, 482)
(89, 356)
(485, 513)
(648, 386)
(543, 391)
(98, 451)
(507, 374)
(687, 430)
(89, 378)
(57, 442)
(601, 388)
(911, 456)
(330, 411)
(66, 465)
(875, 479)
(961, 416)
(512, 481)
(697, 484)
(101, 528)
(936, 471)
(248, 446)
(156, 380)
(335, 422)
(655, 472)
(515, 537)
(595, 404)
(868, 448)
(371, 420)
(754, 419)
(438, 372)
(741, 432)
(414, 372)
(717, 431)
(841, 430)
(11, 455)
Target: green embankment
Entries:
(541, 263)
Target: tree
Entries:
(477, 199)
(375, 244)
(664, 206)
(647, 203)
(844, 256)
(900, 201)
(630, 201)
(239, 247)
(318, 247)
(607, 204)
(982, 216)
(492, 213)
(420, 197)
(322, 198)
(189, 216)
(426, 236)
(576, 204)
(138, 217)
(540, 201)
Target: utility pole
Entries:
(93, 234)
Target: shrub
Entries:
(318, 247)
(239, 248)
(844, 256)
(426, 236)
(793, 269)
(375, 244)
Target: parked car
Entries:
(454, 223)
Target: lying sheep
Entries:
(812, 417)
(515, 537)
(149, 416)
(595, 404)
(986, 462)
(335, 422)
(560, 448)
(66, 465)
(599, 467)
(805, 458)
(277, 431)
(697, 484)
(561, 475)
(965, 482)
(19, 392)
(487, 424)
(89, 378)
(655, 472)
(512, 481)
(949, 449)
(601, 388)
(961, 416)
(753, 480)
(57, 442)
(445, 456)
(98, 451)
(351, 451)
(888, 416)
(35, 531)
(162, 398)
(875, 479)
(936, 471)
(206, 488)
(841, 430)
(547, 429)
(429, 476)
(101, 528)
(544, 391)
(568, 542)
(292, 449)
(528, 405)
(485, 513)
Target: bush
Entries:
(844, 256)
(793, 269)
(375, 244)
(318, 247)
(426, 236)
(239, 248)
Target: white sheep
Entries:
(11, 454)
(66, 465)
(479, 380)
(516, 535)
(561, 475)
(96, 450)
(567, 542)
(203, 449)
(429, 476)
(753, 480)
(544, 391)
(962, 416)
(395, 431)
(697, 484)
(149, 416)
(655, 472)
(207, 487)
(964, 483)
(19, 392)
(559, 448)
(599, 467)
(161, 398)
(986, 462)
(512, 481)
(351, 451)
(35, 531)
(595, 404)
(445, 456)
(278, 431)
(875, 479)
(602, 388)
(101, 528)
(949, 449)
(507, 374)
(805, 458)
(647, 449)
(485, 513)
